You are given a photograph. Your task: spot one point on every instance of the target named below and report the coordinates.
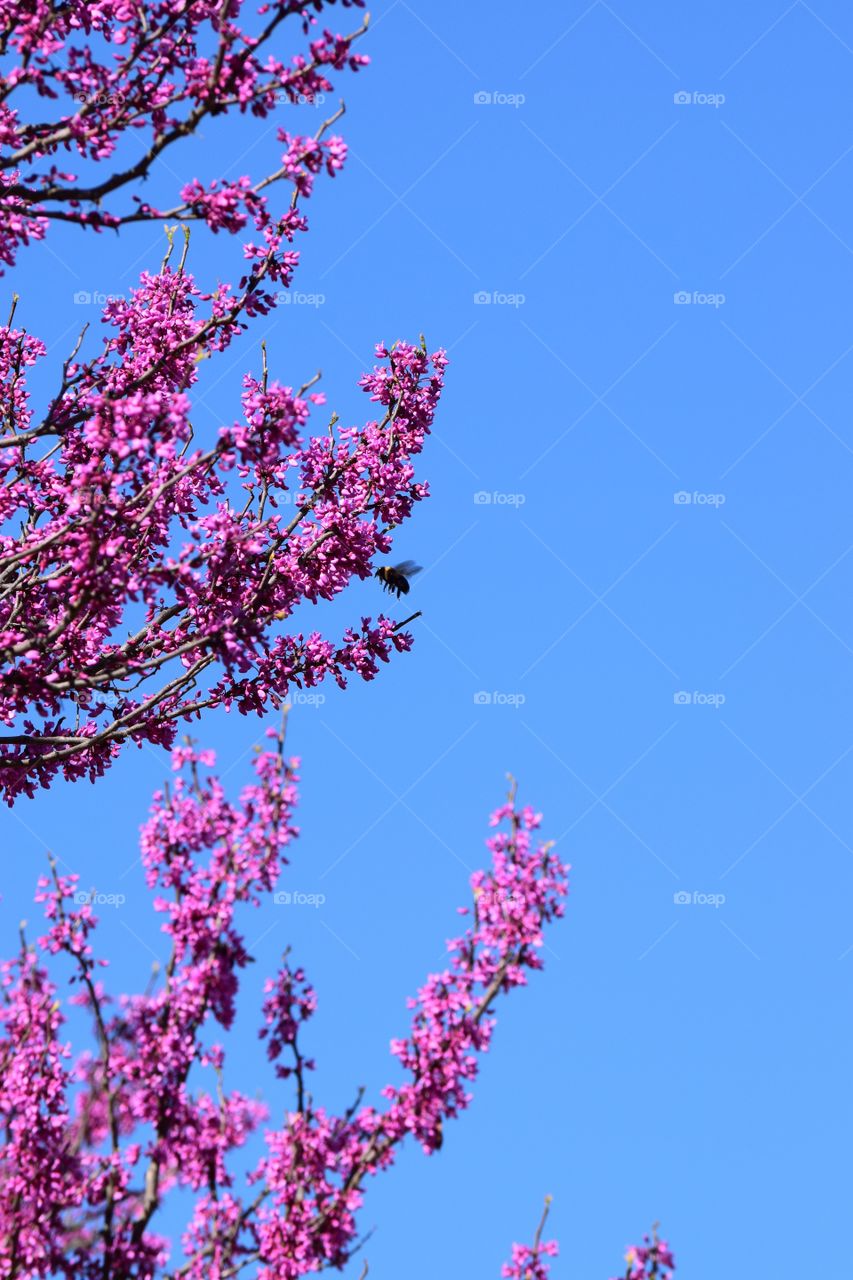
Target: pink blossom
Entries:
(96, 1135)
(314, 515)
(147, 576)
(652, 1260)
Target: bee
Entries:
(396, 577)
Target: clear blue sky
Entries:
(683, 1061)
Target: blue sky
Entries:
(687, 1061)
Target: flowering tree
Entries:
(96, 1138)
(161, 69)
(143, 576)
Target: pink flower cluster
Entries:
(95, 1137)
(144, 574)
(120, 1122)
(530, 1264)
(101, 68)
(110, 630)
(652, 1260)
(512, 902)
(318, 1163)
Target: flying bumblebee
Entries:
(396, 577)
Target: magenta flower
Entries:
(96, 1135)
(146, 575)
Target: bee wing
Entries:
(408, 568)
